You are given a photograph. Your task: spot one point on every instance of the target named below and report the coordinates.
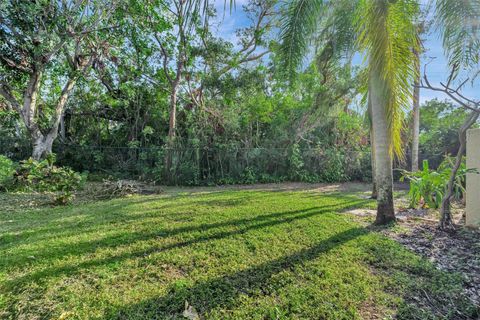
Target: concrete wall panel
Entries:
(473, 179)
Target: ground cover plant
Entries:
(244, 254)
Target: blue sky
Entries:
(437, 69)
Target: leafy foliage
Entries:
(387, 34)
(297, 29)
(7, 169)
(439, 124)
(427, 187)
(458, 21)
(44, 176)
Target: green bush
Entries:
(226, 181)
(44, 176)
(428, 187)
(249, 176)
(297, 166)
(7, 169)
(333, 164)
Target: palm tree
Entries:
(385, 32)
(421, 29)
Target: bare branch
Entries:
(15, 65)
(454, 94)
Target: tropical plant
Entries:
(458, 23)
(385, 32)
(427, 187)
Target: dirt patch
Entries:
(284, 186)
(356, 187)
(370, 310)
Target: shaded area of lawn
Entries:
(231, 254)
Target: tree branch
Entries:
(6, 92)
(454, 94)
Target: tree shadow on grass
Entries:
(222, 292)
(124, 239)
(112, 211)
(241, 226)
(427, 293)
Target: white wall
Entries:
(473, 179)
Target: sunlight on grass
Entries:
(232, 255)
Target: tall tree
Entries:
(45, 45)
(385, 32)
(181, 47)
(421, 29)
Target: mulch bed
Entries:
(450, 251)
(454, 251)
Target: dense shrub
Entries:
(297, 166)
(44, 176)
(249, 176)
(7, 169)
(439, 124)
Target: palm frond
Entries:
(300, 19)
(337, 32)
(388, 35)
(459, 22)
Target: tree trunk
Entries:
(374, 167)
(372, 151)
(416, 115)
(171, 133)
(446, 221)
(29, 110)
(42, 146)
(62, 128)
(172, 125)
(383, 150)
(42, 143)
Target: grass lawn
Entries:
(245, 254)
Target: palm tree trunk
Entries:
(372, 151)
(374, 167)
(416, 115)
(382, 149)
(445, 210)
